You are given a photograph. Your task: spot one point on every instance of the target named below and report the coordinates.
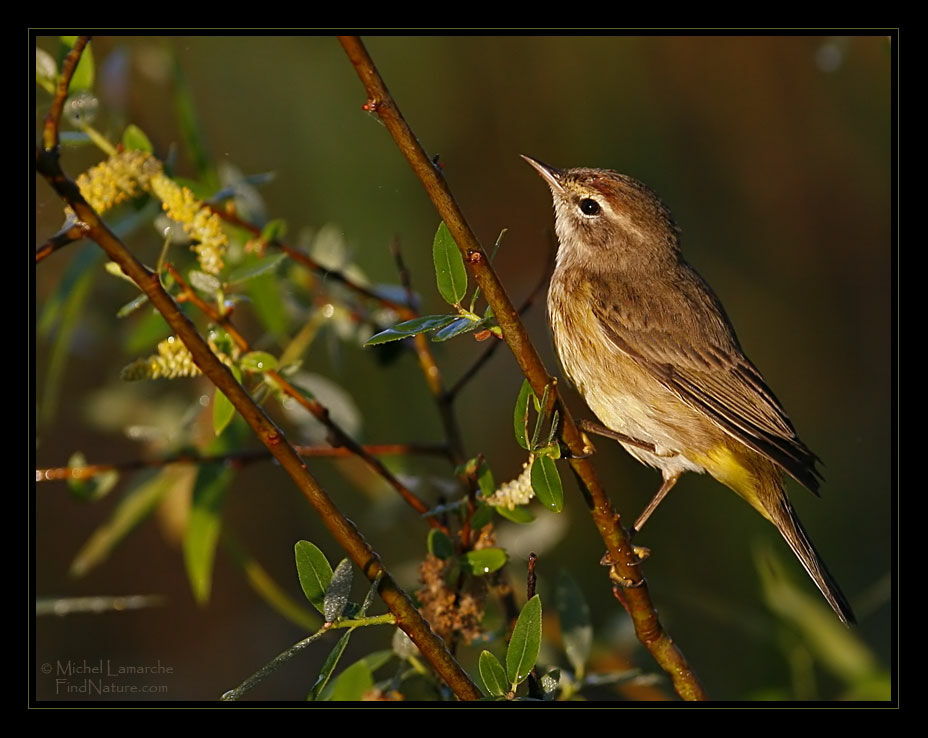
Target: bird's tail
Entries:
(782, 515)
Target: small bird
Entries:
(649, 347)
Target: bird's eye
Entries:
(589, 206)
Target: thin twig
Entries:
(338, 436)
(637, 599)
(61, 239)
(237, 459)
(342, 529)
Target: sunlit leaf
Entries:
(456, 328)
(520, 415)
(520, 515)
(134, 139)
(94, 488)
(255, 269)
(258, 361)
(409, 328)
(314, 571)
(352, 684)
(450, 273)
(223, 409)
(493, 674)
(484, 561)
(525, 643)
(547, 483)
(82, 78)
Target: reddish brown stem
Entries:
(625, 563)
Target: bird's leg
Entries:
(601, 430)
(668, 483)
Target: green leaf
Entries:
(94, 488)
(314, 572)
(450, 273)
(268, 303)
(140, 499)
(576, 626)
(520, 515)
(485, 479)
(254, 269)
(134, 139)
(130, 307)
(223, 410)
(258, 361)
(84, 73)
(274, 230)
(484, 561)
(525, 643)
(411, 328)
(439, 544)
(493, 674)
(331, 661)
(456, 328)
(547, 483)
(203, 528)
(336, 594)
(482, 516)
(352, 684)
(520, 415)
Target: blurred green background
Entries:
(774, 154)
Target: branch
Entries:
(342, 529)
(338, 436)
(238, 459)
(624, 564)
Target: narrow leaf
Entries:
(331, 661)
(130, 307)
(255, 269)
(450, 273)
(411, 328)
(484, 561)
(493, 674)
(223, 410)
(203, 528)
(525, 643)
(576, 627)
(82, 78)
(336, 594)
(459, 326)
(485, 480)
(134, 139)
(547, 483)
(314, 572)
(520, 415)
(273, 230)
(352, 684)
(440, 545)
(258, 361)
(140, 500)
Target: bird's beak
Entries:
(551, 175)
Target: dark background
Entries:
(774, 154)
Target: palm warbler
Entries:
(649, 347)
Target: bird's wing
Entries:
(683, 338)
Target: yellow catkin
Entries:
(173, 360)
(128, 174)
(118, 179)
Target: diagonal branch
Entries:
(635, 596)
(342, 529)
